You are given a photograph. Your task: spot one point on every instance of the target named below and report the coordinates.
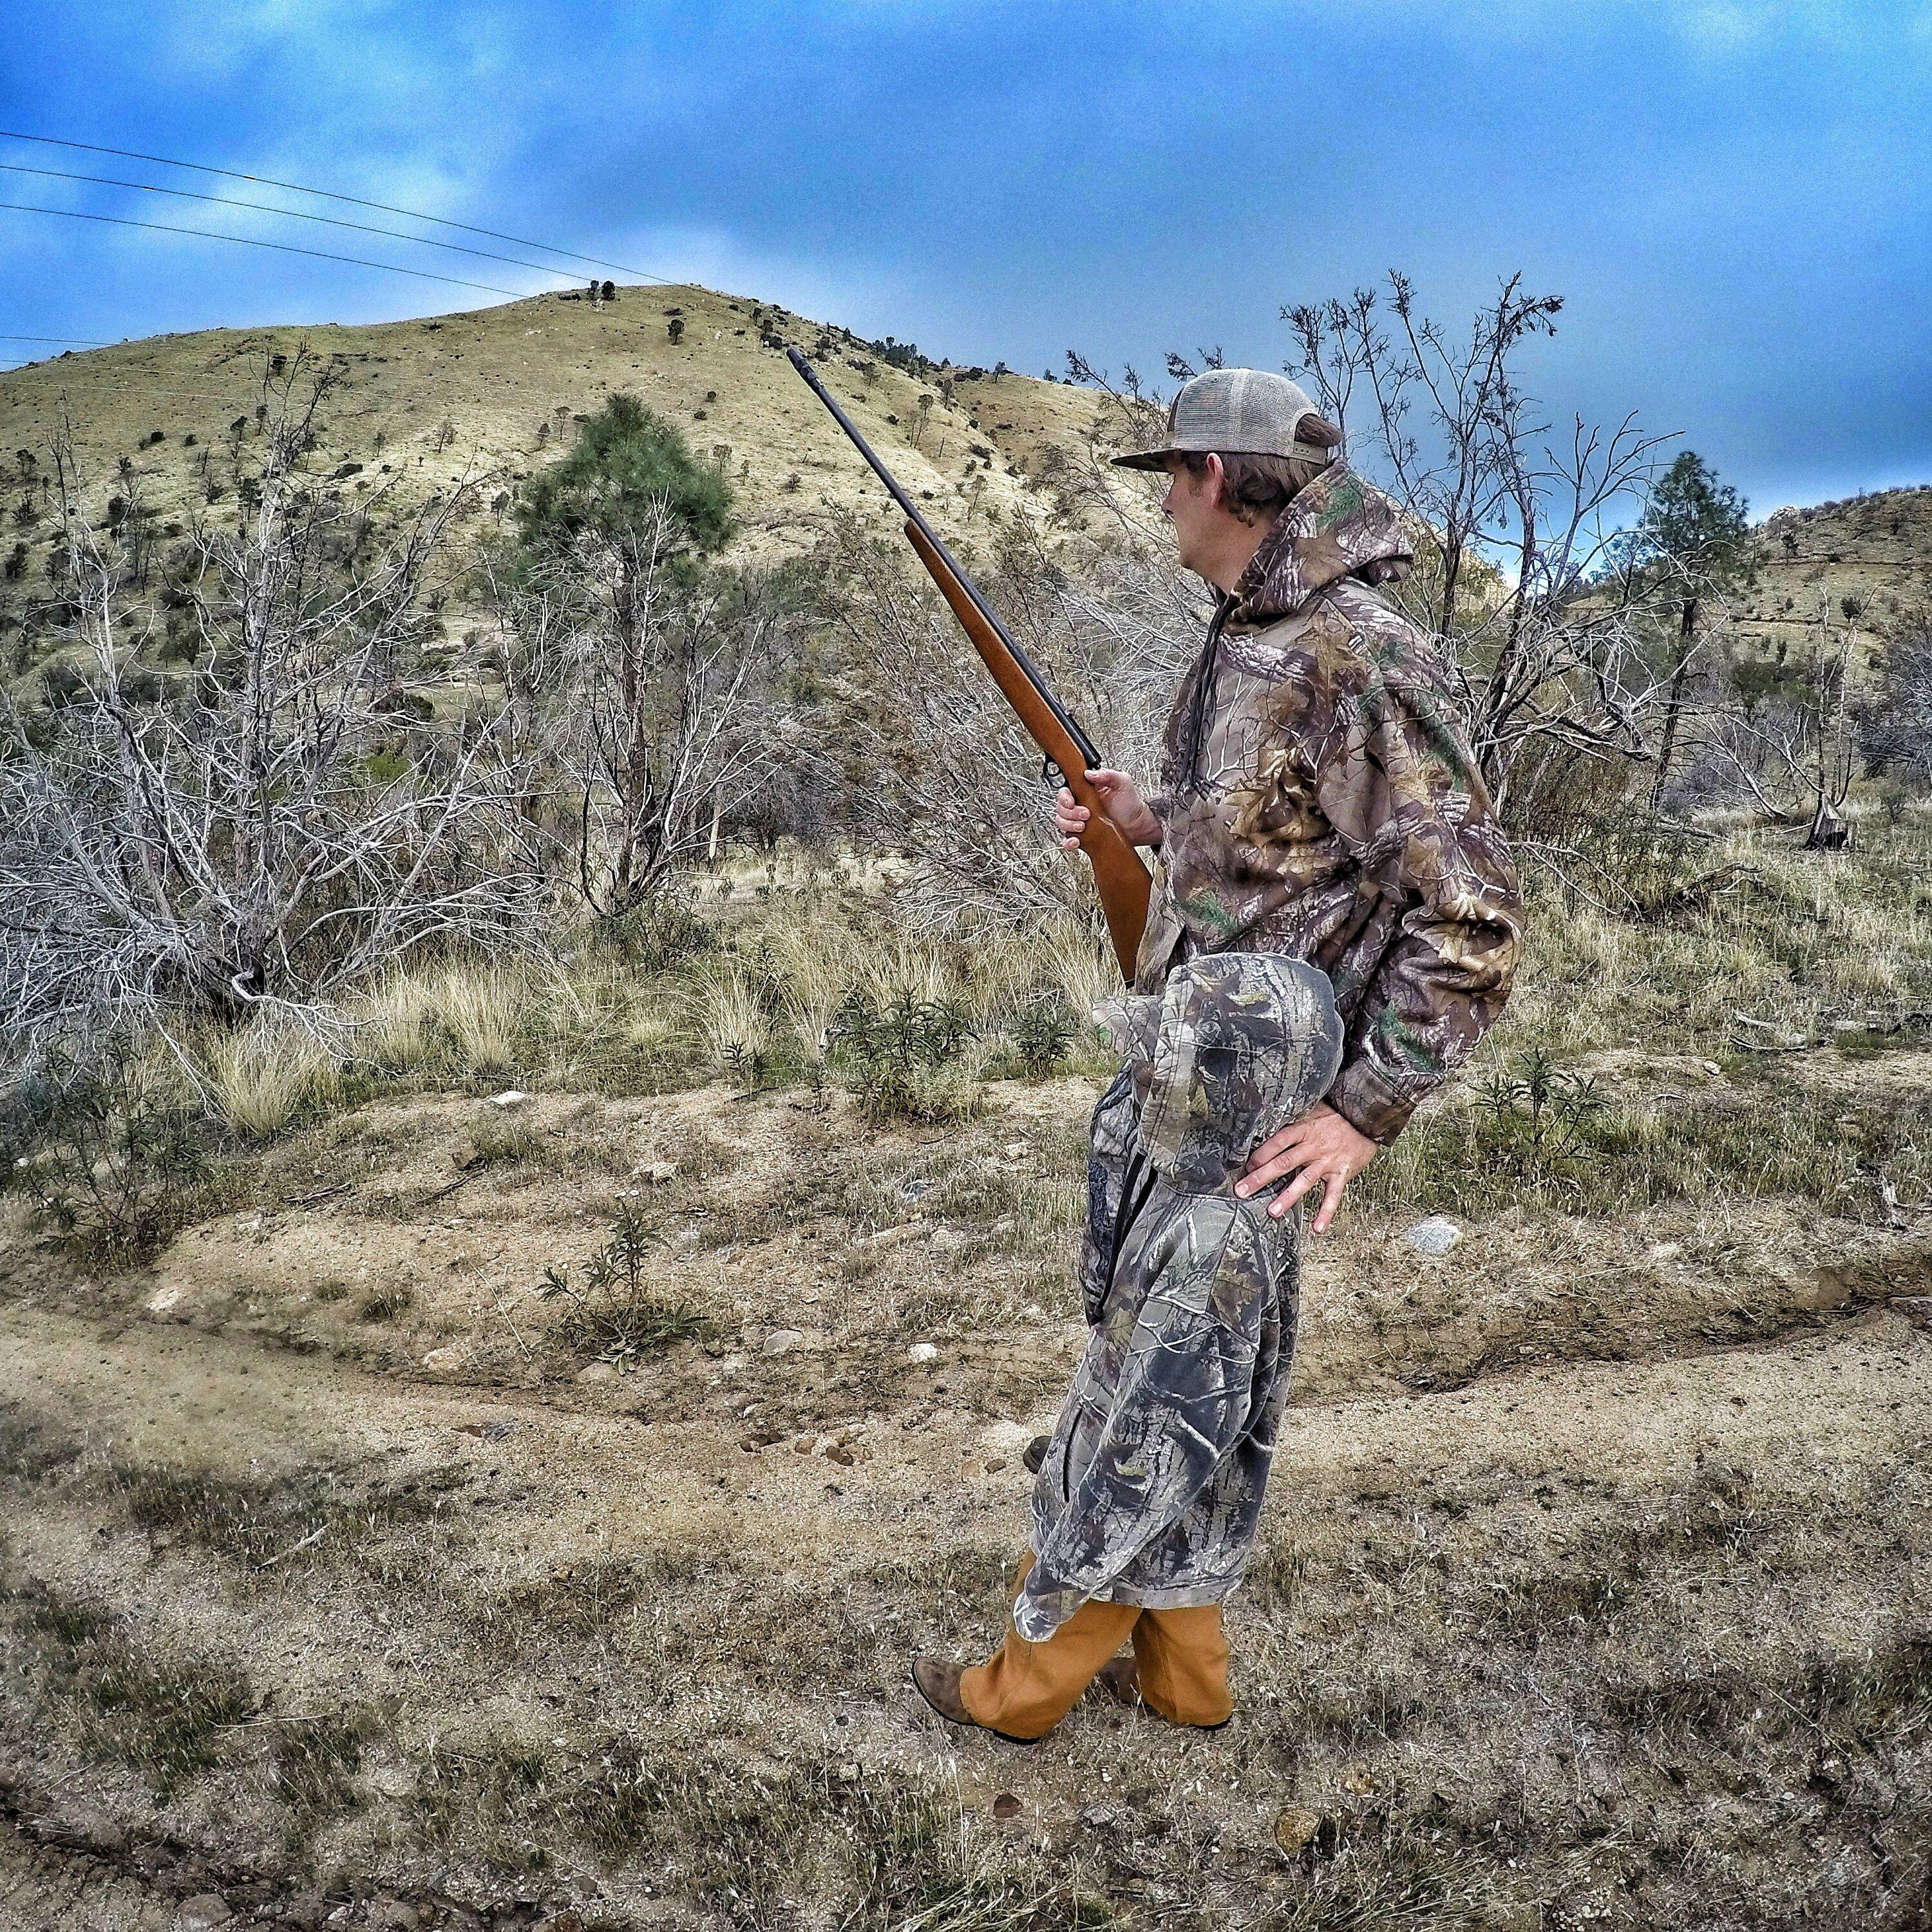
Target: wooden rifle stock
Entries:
(1119, 873)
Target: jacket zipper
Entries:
(1204, 691)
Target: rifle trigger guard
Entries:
(1051, 773)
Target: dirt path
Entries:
(163, 1394)
(1503, 1639)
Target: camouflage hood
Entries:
(1235, 1047)
(1337, 526)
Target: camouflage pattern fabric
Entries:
(1151, 1487)
(1317, 798)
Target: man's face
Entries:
(1193, 506)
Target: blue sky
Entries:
(1735, 198)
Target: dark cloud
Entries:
(1737, 199)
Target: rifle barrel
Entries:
(1088, 748)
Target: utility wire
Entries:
(290, 214)
(74, 341)
(250, 241)
(326, 194)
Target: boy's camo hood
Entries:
(1237, 1046)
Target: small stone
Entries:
(204, 1911)
(162, 1300)
(306, 1908)
(1295, 1830)
(597, 1372)
(514, 1098)
(1096, 1815)
(1014, 1149)
(922, 1351)
(658, 1172)
(1917, 1308)
(1436, 1236)
(948, 1240)
(1006, 1805)
(994, 1464)
(449, 1361)
(1665, 1251)
(840, 1454)
(782, 1341)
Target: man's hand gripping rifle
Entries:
(1121, 878)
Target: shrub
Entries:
(907, 1057)
(107, 1151)
(615, 1317)
(1043, 1035)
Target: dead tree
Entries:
(650, 678)
(278, 823)
(1790, 746)
(1518, 575)
(940, 765)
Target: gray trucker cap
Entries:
(1248, 412)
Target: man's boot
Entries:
(1035, 1454)
(938, 1681)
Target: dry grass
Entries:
(263, 1076)
(734, 1020)
(471, 1017)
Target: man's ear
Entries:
(1214, 483)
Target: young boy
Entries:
(1150, 1489)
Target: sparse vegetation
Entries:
(165, 1716)
(617, 1317)
(1593, 1589)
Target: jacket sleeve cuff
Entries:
(1369, 1103)
(1034, 1617)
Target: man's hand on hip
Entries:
(1328, 1151)
(1121, 799)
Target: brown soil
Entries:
(1593, 1590)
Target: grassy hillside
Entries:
(1864, 561)
(496, 391)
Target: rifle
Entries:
(1119, 874)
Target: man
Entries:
(1317, 800)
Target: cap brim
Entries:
(1157, 459)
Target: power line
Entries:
(74, 341)
(327, 194)
(250, 241)
(289, 214)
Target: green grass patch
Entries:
(168, 1716)
(264, 1522)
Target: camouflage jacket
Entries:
(1317, 798)
(1151, 1487)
